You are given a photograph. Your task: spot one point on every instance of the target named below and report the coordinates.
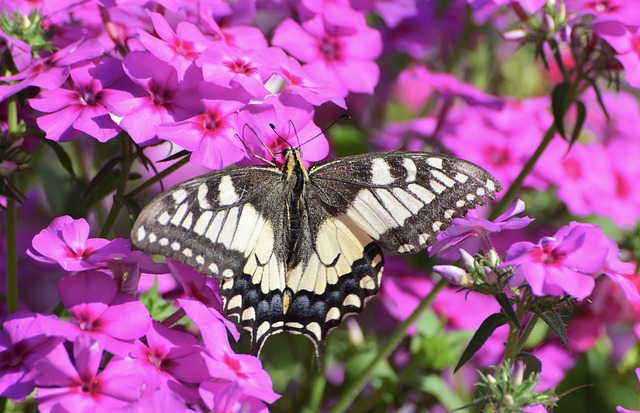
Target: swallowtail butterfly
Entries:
(299, 249)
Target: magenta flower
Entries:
(471, 232)
(556, 361)
(66, 242)
(620, 272)
(222, 397)
(81, 108)
(22, 344)
(331, 47)
(82, 385)
(623, 11)
(161, 97)
(625, 39)
(180, 48)
(211, 135)
(294, 127)
(243, 370)
(173, 361)
(98, 310)
(51, 72)
(565, 263)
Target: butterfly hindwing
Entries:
(402, 199)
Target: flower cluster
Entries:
(104, 103)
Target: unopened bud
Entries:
(454, 275)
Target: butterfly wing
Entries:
(402, 199)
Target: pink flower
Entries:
(82, 385)
(22, 344)
(173, 361)
(180, 48)
(98, 310)
(292, 118)
(626, 42)
(565, 263)
(471, 232)
(623, 11)
(556, 361)
(211, 135)
(331, 47)
(66, 242)
(242, 370)
(81, 108)
(161, 97)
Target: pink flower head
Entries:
(81, 108)
(243, 370)
(51, 72)
(211, 135)
(22, 344)
(332, 48)
(625, 39)
(292, 118)
(66, 242)
(565, 263)
(161, 97)
(180, 48)
(623, 11)
(471, 232)
(556, 362)
(98, 310)
(229, 397)
(82, 385)
(172, 360)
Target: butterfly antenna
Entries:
(326, 128)
(273, 128)
(255, 155)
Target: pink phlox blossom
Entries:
(230, 14)
(625, 39)
(159, 98)
(331, 47)
(127, 271)
(66, 242)
(531, 6)
(291, 77)
(160, 400)
(243, 370)
(22, 344)
(98, 310)
(621, 272)
(623, 11)
(471, 232)
(81, 385)
(223, 397)
(51, 72)
(203, 289)
(179, 48)
(241, 37)
(392, 12)
(81, 107)
(233, 67)
(19, 50)
(621, 409)
(292, 118)
(173, 361)
(211, 133)
(408, 135)
(565, 263)
(556, 362)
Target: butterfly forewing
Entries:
(402, 199)
(298, 251)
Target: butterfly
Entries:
(299, 249)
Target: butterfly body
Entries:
(298, 250)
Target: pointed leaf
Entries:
(531, 362)
(581, 114)
(559, 330)
(506, 306)
(559, 108)
(486, 329)
(102, 174)
(62, 156)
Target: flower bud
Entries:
(454, 275)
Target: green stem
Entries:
(317, 391)
(527, 332)
(125, 148)
(355, 387)
(514, 333)
(157, 178)
(11, 222)
(515, 187)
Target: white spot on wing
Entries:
(422, 193)
(175, 246)
(188, 220)
(179, 195)
(437, 186)
(152, 238)
(249, 314)
(200, 259)
(436, 226)
(228, 273)
(314, 328)
(213, 268)
(203, 222)
(435, 162)
(398, 211)
(460, 177)
(442, 177)
(380, 172)
(203, 202)
(411, 169)
(352, 300)
(187, 252)
(262, 330)
(180, 213)
(141, 233)
(408, 200)
(332, 314)
(491, 185)
(163, 242)
(235, 302)
(164, 218)
(227, 192)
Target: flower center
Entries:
(603, 7)
(234, 365)
(330, 48)
(240, 66)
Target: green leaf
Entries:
(559, 107)
(506, 306)
(102, 184)
(581, 114)
(438, 388)
(486, 329)
(558, 329)
(61, 154)
(360, 361)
